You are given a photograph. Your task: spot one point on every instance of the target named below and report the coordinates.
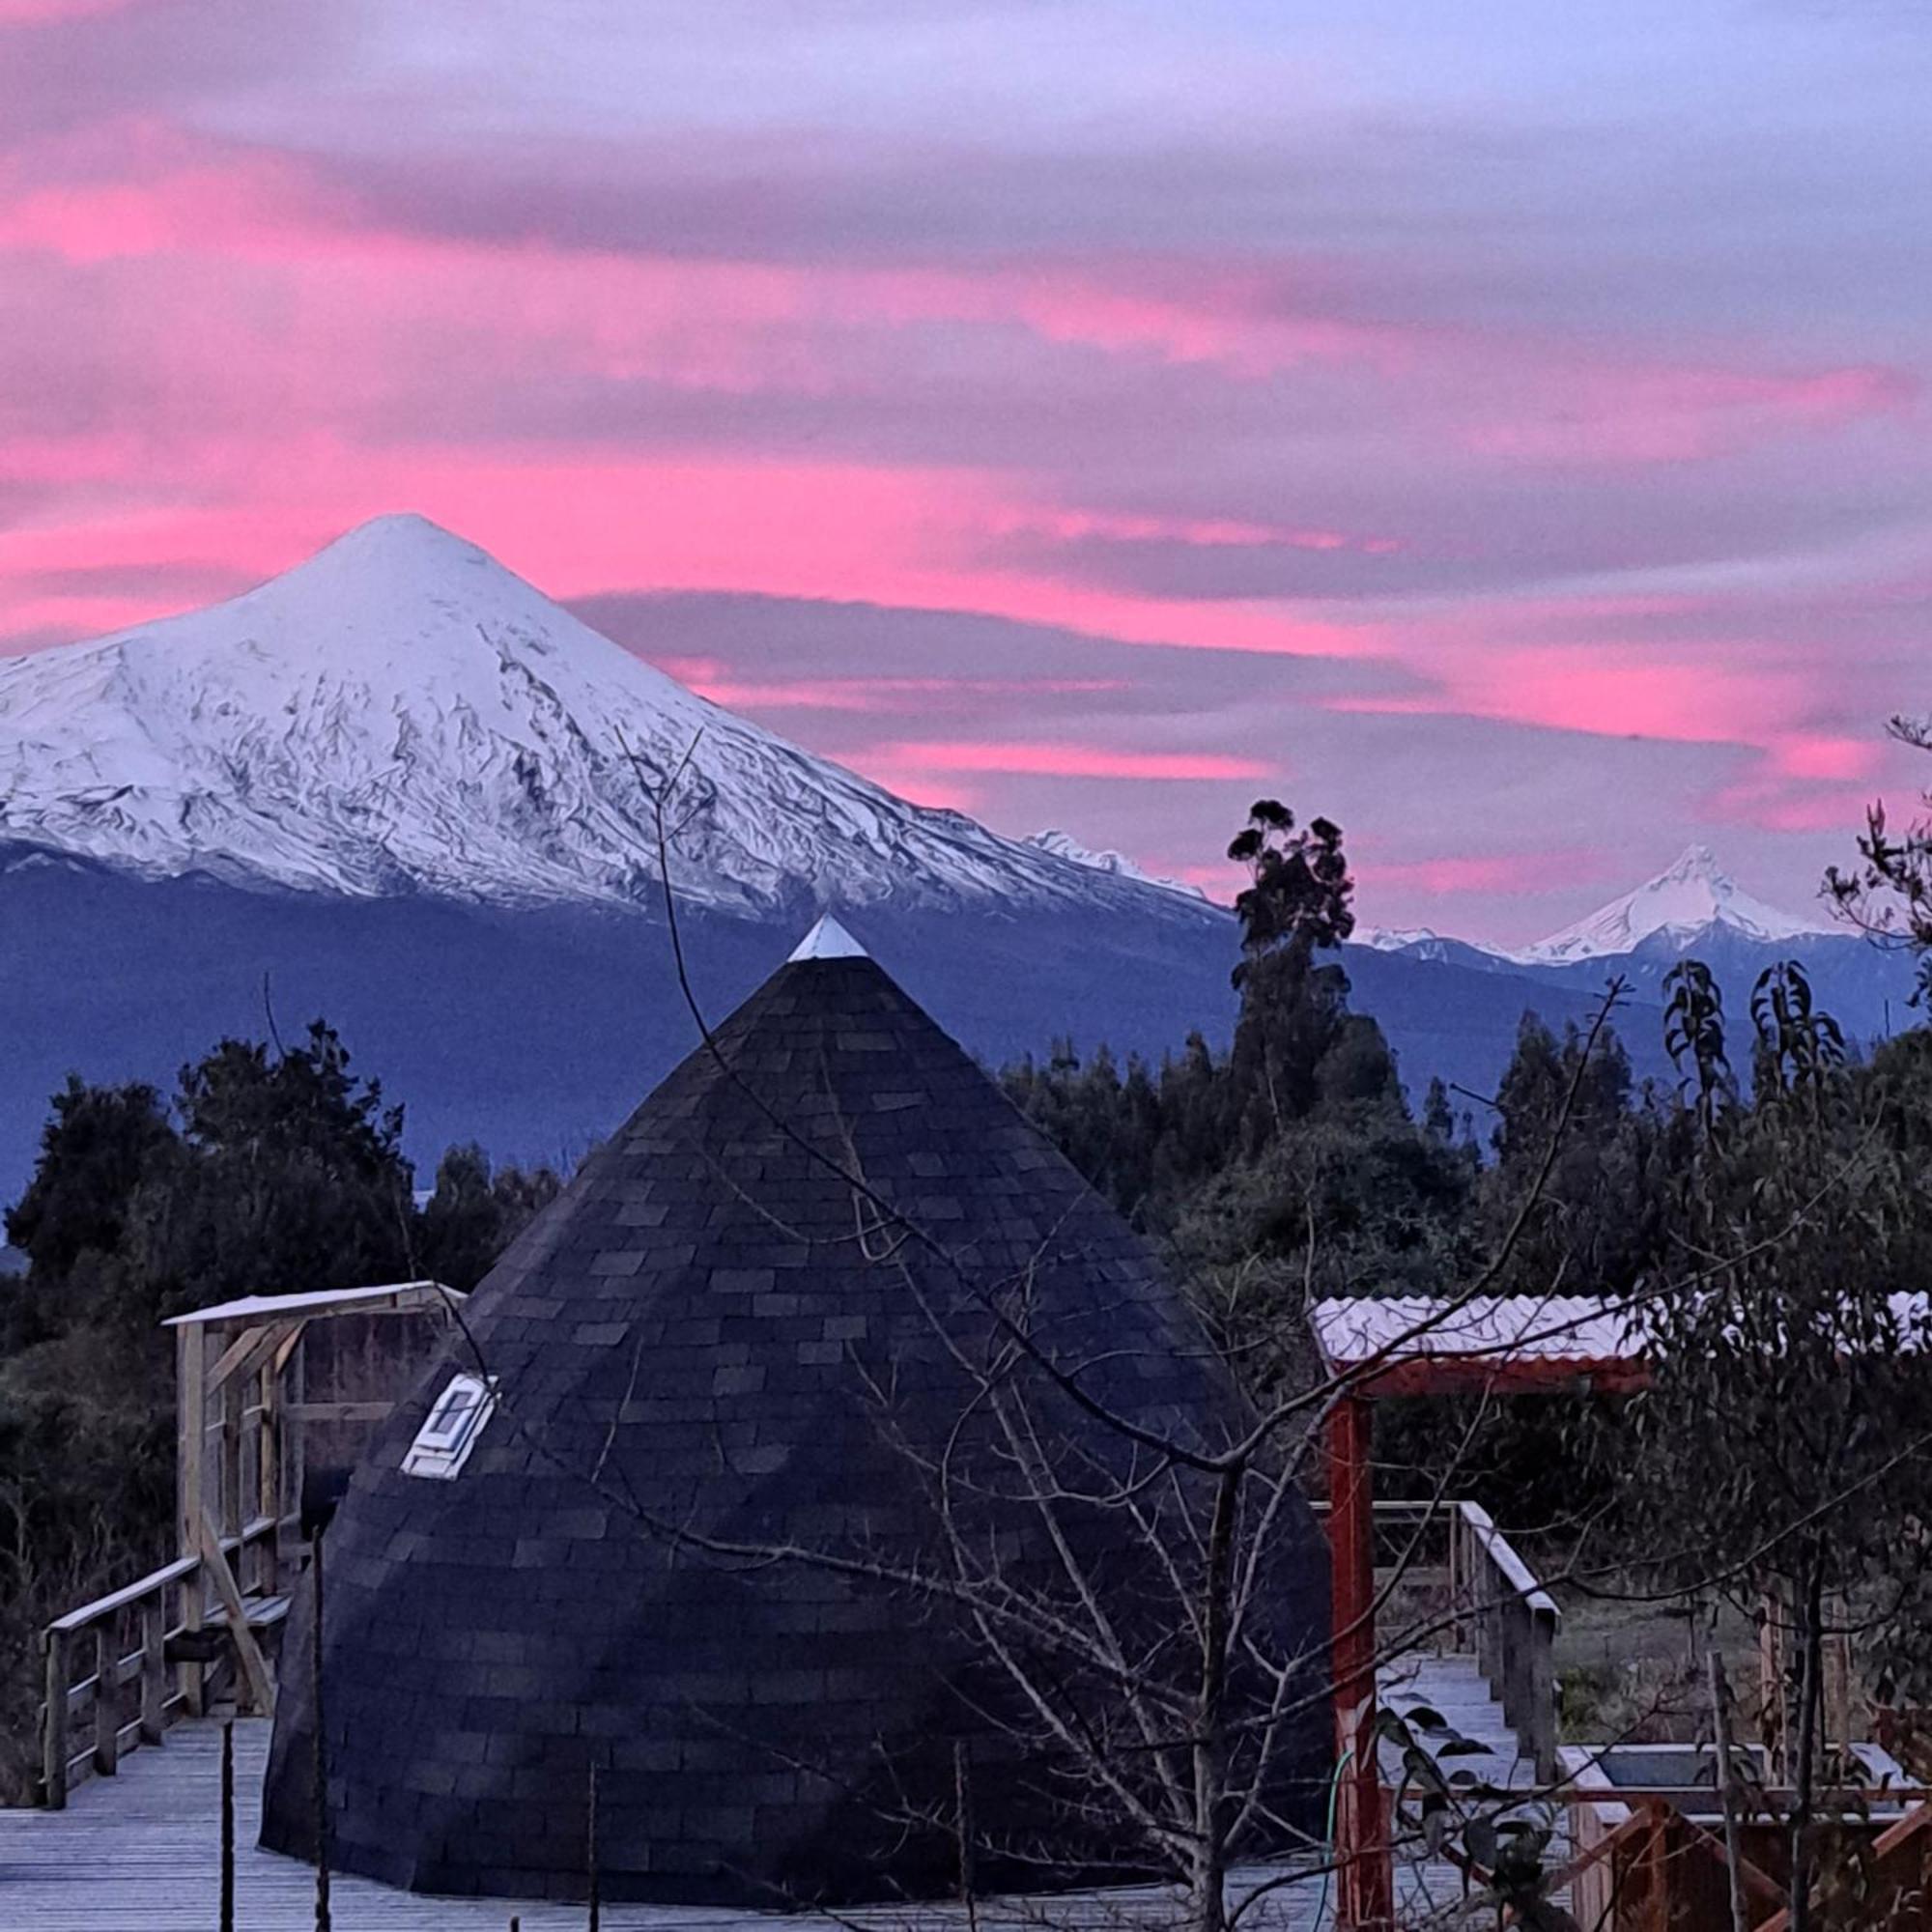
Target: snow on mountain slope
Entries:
(1688, 897)
(400, 714)
(1394, 939)
(1063, 846)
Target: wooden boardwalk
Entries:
(140, 1852)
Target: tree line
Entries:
(270, 1169)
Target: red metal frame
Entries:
(1365, 1875)
(1364, 1858)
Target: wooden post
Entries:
(231, 1508)
(962, 1827)
(1727, 1785)
(228, 1827)
(53, 1725)
(1656, 1860)
(1365, 1877)
(590, 1852)
(106, 1699)
(269, 1476)
(293, 1361)
(155, 1668)
(247, 1652)
(191, 1443)
(318, 1718)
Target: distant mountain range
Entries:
(1691, 909)
(399, 787)
(1678, 910)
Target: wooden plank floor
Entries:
(140, 1852)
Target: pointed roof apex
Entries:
(828, 940)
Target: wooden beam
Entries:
(53, 1723)
(154, 1667)
(107, 1700)
(261, 1688)
(269, 1473)
(288, 1344)
(237, 1353)
(190, 1428)
(337, 1412)
(190, 1447)
(231, 1503)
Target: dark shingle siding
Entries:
(693, 1317)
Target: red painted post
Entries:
(1365, 1878)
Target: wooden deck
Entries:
(139, 1852)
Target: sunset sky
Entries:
(1501, 426)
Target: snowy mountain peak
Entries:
(1063, 846)
(1684, 899)
(400, 714)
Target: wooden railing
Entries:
(1491, 1605)
(162, 1648)
(1515, 1620)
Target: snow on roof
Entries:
(1574, 1328)
(828, 940)
(1584, 1334)
(276, 1307)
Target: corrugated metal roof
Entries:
(1581, 1329)
(1508, 1327)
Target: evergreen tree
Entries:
(1439, 1118)
(101, 1144)
(475, 1212)
(1599, 1220)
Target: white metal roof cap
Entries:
(828, 940)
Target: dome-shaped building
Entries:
(721, 1492)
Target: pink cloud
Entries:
(1636, 415)
(720, 683)
(1072, 762)
(45, 12)
(1609, 691)
(1071, 526)
(1506, 873)
(1823, 756)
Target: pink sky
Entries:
(1506, 435)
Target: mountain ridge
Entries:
(1675, 909)
(399, 713)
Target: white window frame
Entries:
(449, 1431)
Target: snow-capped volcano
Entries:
(402, 715)
(1687, 898)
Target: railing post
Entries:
(155, 1667)
(268, 1480)
(53, 1724)
(190, 1488)
(106, 1699)
(1543, 1695)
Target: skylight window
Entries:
(450, 1431)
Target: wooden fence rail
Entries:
(1495, 1607)
(160, 1649)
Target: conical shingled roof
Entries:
(714, 1330)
